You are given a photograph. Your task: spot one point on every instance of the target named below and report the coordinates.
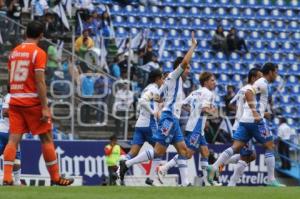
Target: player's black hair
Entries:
(154, 75)
(8, 88)
(252, 73)
(113, 137)
(34, 29)
(282, 120)
(177, 62)
(268, 67)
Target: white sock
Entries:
(234, 159)
(17, 177)
(204, 165)
(270, 163)
(238, 172)
(182, 165)
(224, 157)
(142, 157)
(170, 164)
(154, 165)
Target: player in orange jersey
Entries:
(29, 111)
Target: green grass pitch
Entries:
(149, 192)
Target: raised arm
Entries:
(186, 60)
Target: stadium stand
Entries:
(270, 29)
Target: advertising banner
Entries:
(86, 159)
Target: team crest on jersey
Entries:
(166, 127)
(194, 139)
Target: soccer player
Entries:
(28, 107)
(200, 104)
(4, 132)
(146, 124)
(252, 124)
(169, 131)
(247, 153)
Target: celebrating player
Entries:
(4, 134)
(200, 103)
(169, 131)
(29, 111)
(252, 124)
(146, 124)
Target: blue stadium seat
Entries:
(221, 13)
(121, 32)
(287, 47)
(283, 36)
(171, 22)
(293, 25)
(276, 57)
(196, 66)
(220, 57)
(290, 58)
(259, 46)
(261, 14)
(265, 25)
(269, 36)
(234, 57)
(238, 24)
(206, 57)
(235, 12)
(184, 23)
(272, 46)
(275, 14)
(261, 58)
(249, 14)
(181, 11)
(279, 25)
(226, 24)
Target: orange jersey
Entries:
(24, 60)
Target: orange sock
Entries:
(49, 154)
(9, 156)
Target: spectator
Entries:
(113, 153)
(88, 25)
(1, 3)
(230, 109)
(148, 52)
(284, 135)
(83, 43)
(101, 89)
(53, 60)
(234, 42)
(219, 41)
(115, 68)
(40, 8)
(87, 91)
(189, 84)
(14, 12)
(50, 26)
(124, 99)
(106, 25)
(84, 5)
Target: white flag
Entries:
(112, 30)
(80, 23)
(162, 44)
(121, 44)
(1, 40)
(226, 126)
(136, 41)
(103, 54)
(60, 48)
(59, 10)
(68, 4)
(26, 5)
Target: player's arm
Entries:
(207, 104)
(39, 68)
(145, 101)
(249, 96)
(186, 60)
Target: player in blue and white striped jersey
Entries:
(200, 104)
(252, 125)
(146, 125)
(4, 134)
(169, 131)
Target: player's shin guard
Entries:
(183, 169)
(142, 157)
(224, 157)
(170, 164)
(9, 156)
(234, 159)
(238, 172)
(204, 165)
(49, 154)
(270, 163)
